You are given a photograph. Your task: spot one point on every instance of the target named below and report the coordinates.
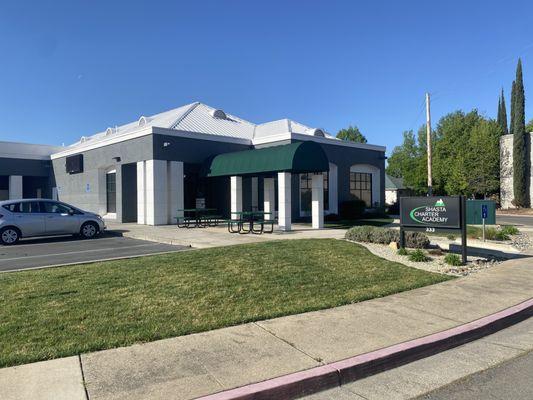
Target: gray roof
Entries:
(392, 183)
(201, 118)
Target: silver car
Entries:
(39, 217)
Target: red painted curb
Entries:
(334, 374)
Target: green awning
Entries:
(300, 157)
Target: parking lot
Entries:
(45, 252)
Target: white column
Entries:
(284, 201)
(156, 192)
(269, 197)
(141, 192)
(15, 187)
(255, 194)
(175, 190)
(236, 195)
(317, 203)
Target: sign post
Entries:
(434, 214)
(484, 215)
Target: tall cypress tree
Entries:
(520, 165)
(502, 115)
(513, 107)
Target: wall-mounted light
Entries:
(166, 144)
(117, 159)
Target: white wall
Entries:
(391, 196)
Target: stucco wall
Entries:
(87, 190)
(506, 170)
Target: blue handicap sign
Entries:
(484, 211)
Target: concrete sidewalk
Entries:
(190, 366)
(202, 238)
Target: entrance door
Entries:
(111, 192)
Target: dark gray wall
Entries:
(24, 167)
(129, 192)
(191, 150)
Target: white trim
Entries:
(108, 140)
(112, 171)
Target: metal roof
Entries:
(201, 118)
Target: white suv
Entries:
(40, 217)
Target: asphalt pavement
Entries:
(44, 252)
(517, 220)
(510, 380)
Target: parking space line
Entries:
(78, 252)
(22, 269)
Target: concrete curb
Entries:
(351, 369)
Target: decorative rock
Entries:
(394, 245)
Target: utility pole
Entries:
(428, 140)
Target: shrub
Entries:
(452, 259)
(418, 256)
(500, 235)
(510, 230)
(450, 237)
(416, 240)
(402, 251)
(374, 234)
(352, 209)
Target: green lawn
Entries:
(64, 311)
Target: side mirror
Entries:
(70, 212)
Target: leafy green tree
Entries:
(529, 126)
(409, 161)
(513, 108)
(520, 166)
(352, 134)
(502, 114)
(483, 164)
(452, 152)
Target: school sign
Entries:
(432, 214)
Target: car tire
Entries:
(89, 230)
(9, 235)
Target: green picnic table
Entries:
(253, 219)
(197, 217)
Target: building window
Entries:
(361, 187)
(306, 195)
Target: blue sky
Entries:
(74, 68)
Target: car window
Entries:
(56, 208)
(23, 207)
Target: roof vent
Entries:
(83, 139)
(318, 132)
(110, 131)
(218, 114)
(144, 120)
